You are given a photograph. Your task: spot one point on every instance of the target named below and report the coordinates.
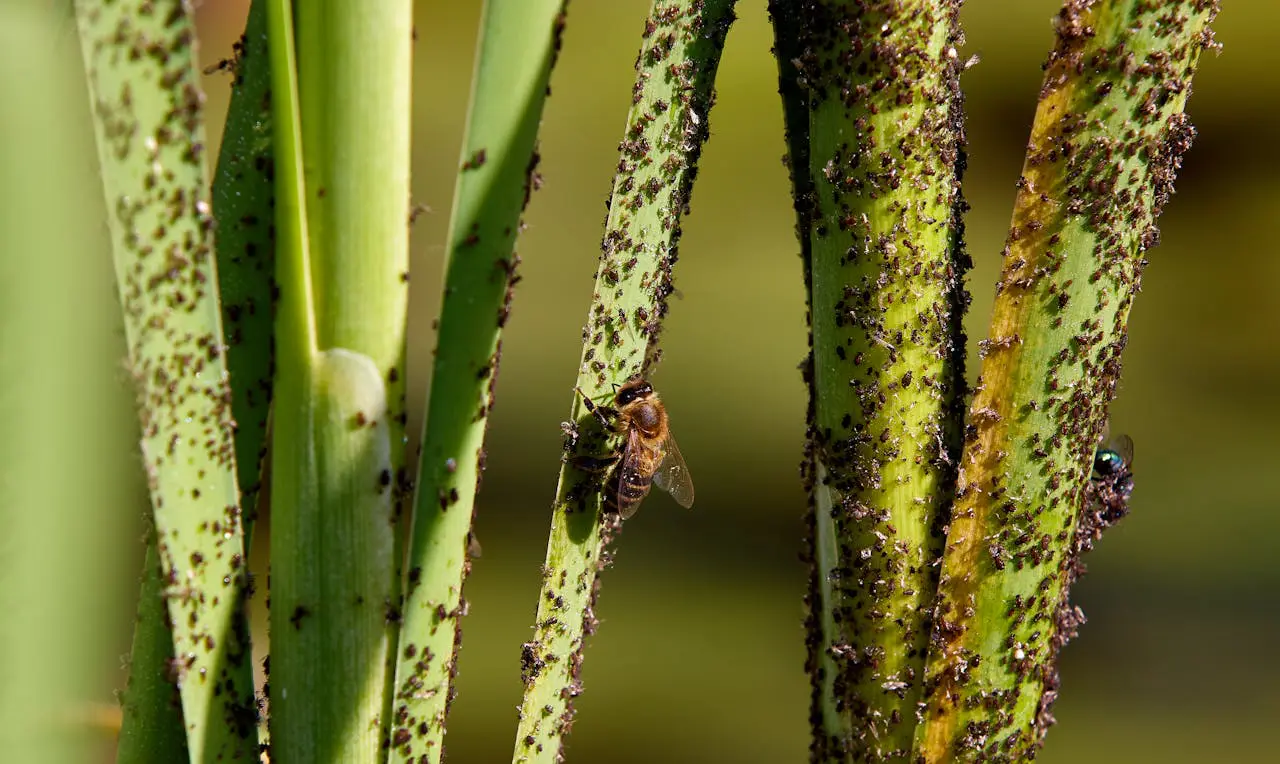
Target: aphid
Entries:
(650, 456)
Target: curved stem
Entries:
(1107, 140)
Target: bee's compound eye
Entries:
(632, 391)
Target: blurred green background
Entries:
(1177, 662)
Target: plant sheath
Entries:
(1107, 140)
(518, 44)
(341, 167)
(666, 128)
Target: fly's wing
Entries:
(1123, 445)
(673, 474)
(631, 472)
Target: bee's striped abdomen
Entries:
(632, 480)
(632, 488)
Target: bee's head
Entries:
(633, 390)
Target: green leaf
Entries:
(144, 89)
(518, 44)
(243, 205)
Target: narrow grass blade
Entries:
(1107, 141)
(341, 126)
(665, 130)
(518, 44)
(875, 84)
(151, 720)
(146, 101)
(293, 724)
(243, 205)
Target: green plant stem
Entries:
(146, 100)
(665, 130)
(243, 204)
(342, 163)
(518, 44)
(878, 204)
(354, 76)
(1107, 140)
(69, 487)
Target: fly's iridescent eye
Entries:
(1107, 462)
(1111, 484)
(1114, 456)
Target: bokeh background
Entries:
(699, 652)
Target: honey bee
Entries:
(650, 455)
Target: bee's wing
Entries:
(1123, 445)
(630, 472)
(673, 474)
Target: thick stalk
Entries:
(341, 140)
(143, 82)
(878, 207)
(1108, 138)
(68, 474)
(518, 44)
(665, 130)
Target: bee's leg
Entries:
(594, 464)
(606, 415)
